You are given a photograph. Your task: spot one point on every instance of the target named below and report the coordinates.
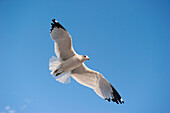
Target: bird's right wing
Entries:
(63, 41)
(96, 81)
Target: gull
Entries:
(70, 64)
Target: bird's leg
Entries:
(58, 73)
(56, 70)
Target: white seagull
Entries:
(70, 64)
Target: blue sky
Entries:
(128, 41)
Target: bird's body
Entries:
(72, 63)
(69, 63)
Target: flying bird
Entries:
(70, 64)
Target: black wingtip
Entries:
(118, 101)
(107, 99)
(54, 20)
(56, 24)
(117, 98)
(121, 101)
(114, 100)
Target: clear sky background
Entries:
(128, 41)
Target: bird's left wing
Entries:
(96, 81)
(62, 40)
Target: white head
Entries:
(85, 57)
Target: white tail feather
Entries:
(64, 78)
(54, 64)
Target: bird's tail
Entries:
(54, 66)
(54, 63)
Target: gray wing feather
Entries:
(62, 40)
(97, 82)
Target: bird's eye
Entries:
(84, 56)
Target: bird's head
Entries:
(85, 57)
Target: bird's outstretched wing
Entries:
(63, 42)
(96, 81)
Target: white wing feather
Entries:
(83, 75)
(97, 82)
(62, 41)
